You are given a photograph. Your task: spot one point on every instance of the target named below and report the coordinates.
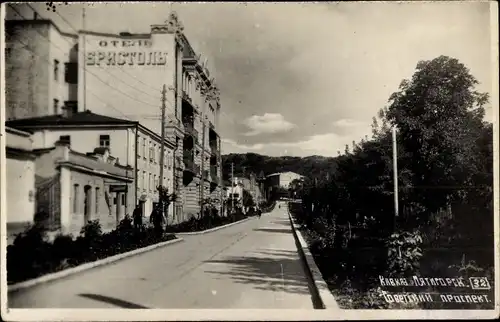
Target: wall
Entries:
(133, 87)
(287, 177)
(20, 190)
(86, 140)
(20, 182)
(60, 49)
(149, 170)
(108, 216)
(32, 48)
(26, 69)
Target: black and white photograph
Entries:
(249, 160)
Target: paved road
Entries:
(249, 265)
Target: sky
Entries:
(306, 79)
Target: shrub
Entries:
(405, 252)
(31, 255)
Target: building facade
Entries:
(280, 183)
(40, 69)
(129, 143)
(74, 188)
(20, 181)
(123, 76)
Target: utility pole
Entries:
(162, 153)
(202, 162)
(84, 60)
(395, 172)
(232, 183)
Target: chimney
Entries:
(70, 108)
(64, 146)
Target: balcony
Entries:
(213, 175)
(214, 150)
(189, 164)
(186, 97)
(189, 130)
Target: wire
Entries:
(148, 116)
(71, 26)
(122, 70)
(27, 47)
(105, 83)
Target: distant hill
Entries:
(244, 164)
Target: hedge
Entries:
(31, 255)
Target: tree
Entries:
(438, 115)
(165, 199)
(248, 200)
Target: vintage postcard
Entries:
(249, 161)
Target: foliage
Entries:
(445, 173)
(248, 200)
(405, 253)
(313, 166)
(165, 198)
(31, 255)
(208, 221)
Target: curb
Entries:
(87, 266)
(321, 293)
(213, 229)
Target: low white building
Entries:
(129, 142)
(20, 181)
(283, 179)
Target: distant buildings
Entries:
(55, 79)
(280, 182)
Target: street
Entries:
(249, 265)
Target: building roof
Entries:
(80, 118)
(20, 22)
(280, 173)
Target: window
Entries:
(97, 197)
(65, 139)
(149, 182)
(139, 151)
(151, 154)
(75, 197)
(154, 153)
(123, 199)
(56, 70)
(71, 73)
(144, 147)
(104, 141)
(56, 106)
(144, 183)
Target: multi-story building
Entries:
(128, 142)
(123, 76)
(40, 69)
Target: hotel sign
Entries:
(113, 53)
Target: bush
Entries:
(211, 219)
(31, 255)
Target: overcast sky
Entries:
(299, 79)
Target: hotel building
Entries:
(122, 76)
